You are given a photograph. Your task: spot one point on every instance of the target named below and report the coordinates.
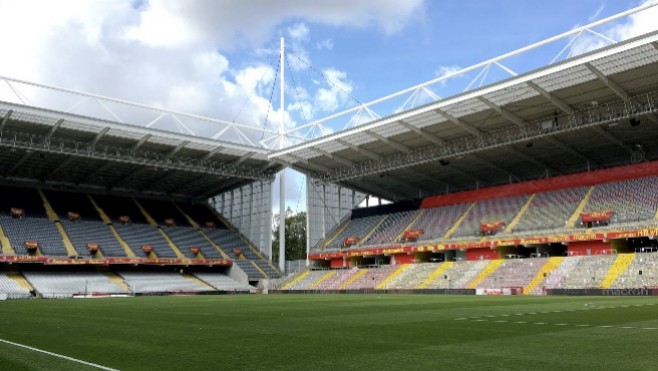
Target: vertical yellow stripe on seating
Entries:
(458, 222)
(518, 216)
(246, 241)
(550, 266)
(7, 249)
(486, 272)
(321, 279)
(50, 212)
(171, 244)
(198, 281)
(68, 245)
(391, 276)
(576, 214)
(336, 234)
(20, 280)
(364, 239)
(124, 245)
(216, 246)
(620, 266)
(192, 222)
(410, 225)
(352, 279)
(434, 275)
(106, 219)
(259, 269)
(149, 218)
(299, 277)
(118, 280)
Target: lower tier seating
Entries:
(64, 284)
(160, 282)
(223, 282)
(12, 289)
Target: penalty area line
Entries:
(58, 355)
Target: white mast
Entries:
(282, 175)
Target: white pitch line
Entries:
(58, 355)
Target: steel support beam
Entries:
(337, 158)
(368, 153)
(504, 112)
(5, 119)
(18, 163)
(390, 142)
(429, 136)
(54, 129)
(609, 83)
(459, 123)
(559, 103)
(140, 143)
(59, 167)
(98, 137)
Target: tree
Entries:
(295, 236)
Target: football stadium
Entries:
(510, 225)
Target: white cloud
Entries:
(327, 44)
(635, 25)
(299, 32)
(597, 13)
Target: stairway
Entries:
(486, 272)
(436, 274)
(549, 267)
(620, 266)
(397, 272)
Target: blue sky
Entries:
(214, 58)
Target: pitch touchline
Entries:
(549, 312)
(555, 324)
(58, 355)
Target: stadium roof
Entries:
(53, 148)
(591, 111)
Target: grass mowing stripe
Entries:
(58, 355)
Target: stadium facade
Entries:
(541, 164)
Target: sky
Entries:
(220, 58)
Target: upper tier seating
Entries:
(64, 284)
(490, 211)
(630, 200)
(436, 222)
(186, 237)
(137, 235)
(83, 232)
(41, 230)
(359, 227)
(391, 227)
(252, 272)
(160, 211)
(228, 240)
(551, 210)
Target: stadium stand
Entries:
(223, 282)
(12, 289)
(143, 282)
(551, 210)
(630, 200)
(357, 227)
(391, 228)
(66, 284)
(489, 211)
(435, 222)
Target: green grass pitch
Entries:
(333, 332)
